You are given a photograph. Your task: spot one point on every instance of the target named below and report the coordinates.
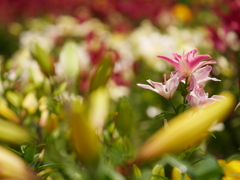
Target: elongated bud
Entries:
(136, 171)
(43, 59)
(30, 103)
(14, 99)
(158, 170)
(7, 113)
(13, 167)
(83, 137)
(187, 129)
(177, 175)
(10, 132)
(99, 107)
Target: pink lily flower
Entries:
(199, 77)
(187, 64)
(167, 90)
(198, 98)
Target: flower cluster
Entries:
(190, 70)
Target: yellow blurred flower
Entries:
(231, 169)
(182, 12)
(30, 103)
(186, 130)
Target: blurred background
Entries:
(63, 60)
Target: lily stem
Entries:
(175, 110)
(184, 98)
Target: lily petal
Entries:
(147, 87)
(202, 64)
(172, 61)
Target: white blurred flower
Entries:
(28, 38)
(148, 42)
(187, 39)
(117, 91)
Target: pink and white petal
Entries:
(150, 82)
(184, 67)
(147, 87)
(172, 84)
(218, 97)
(208, 79)
(172, 61)
(193, 83)
(160, 87)
(177, 56)
(202, 64)
(196, 60)
(202, 73)
(192, 99)
(190, 54)
(164, 93)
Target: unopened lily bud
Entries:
(195, 125)
(99, 107)
(44, 60)
(52, 123)
(83, 137)
(13, 167)
(7, 113)
(158, 170)
(43, 103)
(30, 103)
(13, 98)
(231, 169)
(44, 118)
(177, 175)
(10, 132)
(136, 171)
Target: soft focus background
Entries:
(69, 70)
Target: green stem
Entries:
(173, 106)
(184, 98)
(182, 176)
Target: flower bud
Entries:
(13, 167)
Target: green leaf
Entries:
(125, 118)
(161, 177)
(164, 115)
(183, 166)
(234, 157)
(102, 74)
(182, 88)
(211, 134)
(237, 106)
(14, 151)
(181, 106)
(60, 89)
(29, 153)
(185, 153)
(208, 169)
(45, 166)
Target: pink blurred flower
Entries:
(167, 90)
(187, 64)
